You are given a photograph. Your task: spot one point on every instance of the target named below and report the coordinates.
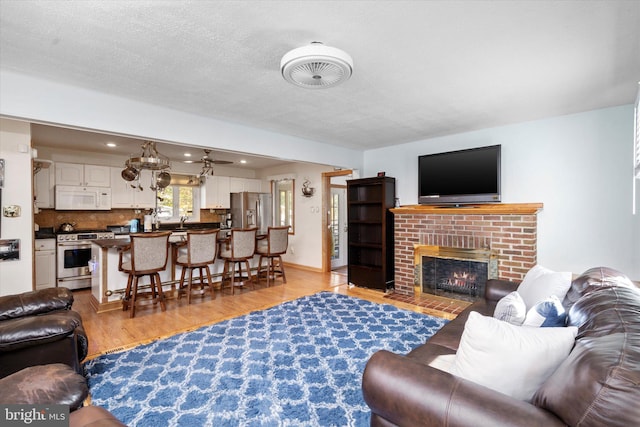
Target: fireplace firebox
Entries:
(455, 273)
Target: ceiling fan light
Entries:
(316, 66)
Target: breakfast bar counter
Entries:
(108, 283)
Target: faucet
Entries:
(182, 220)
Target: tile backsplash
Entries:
(100, 219)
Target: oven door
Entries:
(73, 264)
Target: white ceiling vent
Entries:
(316, 66)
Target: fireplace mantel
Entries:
(480, 209)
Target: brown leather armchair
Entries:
(55, 384)
(39, 328)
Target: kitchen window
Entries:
(177, 201)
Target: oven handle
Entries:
(73, 279)
(78, 244)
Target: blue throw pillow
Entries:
(548, 313)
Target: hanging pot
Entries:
(163, 179)
(129, 173)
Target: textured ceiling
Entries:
(421, 68)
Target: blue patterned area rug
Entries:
(297, 364)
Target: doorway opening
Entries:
(334, 222)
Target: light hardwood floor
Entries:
(114, 330)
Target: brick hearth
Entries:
(511, 229)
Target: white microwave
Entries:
(71, 197)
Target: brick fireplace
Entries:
(505, 233)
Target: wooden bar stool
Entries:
(272, 248)
(201, 251)
(238, 250)
(148, 257)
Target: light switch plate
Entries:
(12, 211)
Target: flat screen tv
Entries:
(460, 177)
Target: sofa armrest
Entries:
(406, 392)
(495, 289)
(35, 330)
(35, 302)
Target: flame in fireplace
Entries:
(462, 278)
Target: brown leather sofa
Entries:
(597, 385)
(39, 328)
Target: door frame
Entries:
(326, 201)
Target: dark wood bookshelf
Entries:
(370, 235)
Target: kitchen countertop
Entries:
(168, 226)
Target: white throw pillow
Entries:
(511, 308)
(548, 313)
(514, 360)
(540, 283)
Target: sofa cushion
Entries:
(594, 279)
(35, 302)
(514, 360)
(511, 309)
(602, 312)
(56, 384)
(598, 384)
(540, 283)
(547, 314)
(35, 330)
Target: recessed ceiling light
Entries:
(187, 161)
(243, 161)
(111, 144)
(187, 154)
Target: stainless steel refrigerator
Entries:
(251, 210)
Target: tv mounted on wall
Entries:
(460, 177)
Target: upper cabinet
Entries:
(237, 185)
(215, 193)
(123, 195)
(43, 188)
(85, 175)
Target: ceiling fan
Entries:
(208, 162)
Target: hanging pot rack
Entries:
(149, 159)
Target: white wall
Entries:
(15, 138)
(43, 101)
(305, 246)
(579, 166)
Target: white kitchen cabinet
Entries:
(253, 185)
(237, 185)
(86, 175)
(43, 188)
(126, 197)
(45, 262)
(215, 193)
